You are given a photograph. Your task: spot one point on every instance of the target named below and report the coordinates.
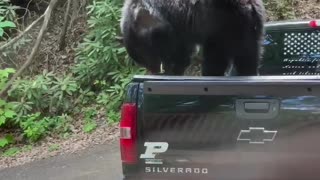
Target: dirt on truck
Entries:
(231, 128)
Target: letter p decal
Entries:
(154, 148)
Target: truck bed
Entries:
(256, 128)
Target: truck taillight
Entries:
(315, 24)
(128, 133)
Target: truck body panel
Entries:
(255, 131)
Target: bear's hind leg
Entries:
(247, 59)
(216, 60)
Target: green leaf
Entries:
(9, 113)
(121, 50)
(7, 24)
(2, 102)
(89, 127)
(11, 152)
(3, 142)
(9, 138)
(64, 87)
(1, 32)
(9, 106)
(10, 70)
(112, 73)
(2, 120)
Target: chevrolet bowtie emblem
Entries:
(257, 135)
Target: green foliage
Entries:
(8, 139)
(46, 93)
(3, 142)
(5, 24)
(6, 112)
(34, 127)
(4, 75)
(6, 109)
(7, 11)
(8, 24)
(59, 124)
(11, 152)
(103, 63)
(62, 91)
(100, 52)
(89, 124)
(53, 147)
(7, 16)
(86, 97)
(113, 116)
(281, 10)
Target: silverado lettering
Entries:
(176, 170)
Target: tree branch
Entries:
(14, 40)
(62, 41)
(75, 8)
(34, 51)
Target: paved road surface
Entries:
(101, 162)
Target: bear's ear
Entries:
(145, 22)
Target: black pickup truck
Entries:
(231, 128)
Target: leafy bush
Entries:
(35, 126)
(11, 152)
(101, 58)
(4, 75)
(113, 116)
(100, 54)
(281, 10)
(59, 124)
(6, 112)
(7, 10)
(89, 123)
(5, 24)
(89, 126)
(7, 16)
(45, 93)
(36, 100)
(6, 109)
(8, 139)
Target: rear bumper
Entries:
(308, 177)
(163, 178)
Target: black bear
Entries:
(166, 32)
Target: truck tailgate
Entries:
(260, 128)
